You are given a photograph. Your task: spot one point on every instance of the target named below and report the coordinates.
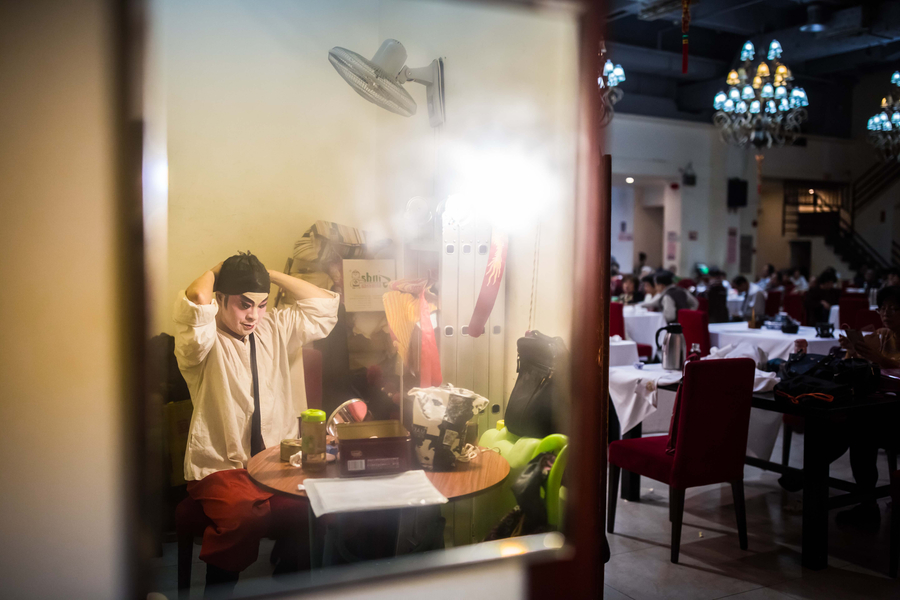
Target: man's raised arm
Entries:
(201, 291)
(299, 289)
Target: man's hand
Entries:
(299, 289)
(201, 290)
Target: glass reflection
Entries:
(410, 256)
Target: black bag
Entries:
(536, 406)
(823, 379)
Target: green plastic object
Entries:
(313, 415)
(558, 444)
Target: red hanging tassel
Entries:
(685, 23)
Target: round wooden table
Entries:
(484, 472)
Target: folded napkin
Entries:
(634, 392)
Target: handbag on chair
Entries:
(536, 406)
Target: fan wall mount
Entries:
(380, 80)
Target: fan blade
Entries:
(371, 83)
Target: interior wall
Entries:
(264, 137)
(659, 148)
(622, 237)
(774, 248)
(648, 226)
(60, 363)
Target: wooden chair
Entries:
(712, 422)
(773, 303)
(617, 327)
(191, 522)
(695, 324)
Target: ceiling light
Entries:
(629, 180)
(811, 191)
(815, 18)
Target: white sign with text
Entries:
(365, 281)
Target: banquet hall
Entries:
(399, 298)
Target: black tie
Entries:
(257, 444)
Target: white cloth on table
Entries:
(641, 325)
(772, 341)
(634, 391)
(622, 353)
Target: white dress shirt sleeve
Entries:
(195, 330)
(306, 321)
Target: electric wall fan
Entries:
(380, 80)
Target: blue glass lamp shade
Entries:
(770, 107)
(748, 51)
(619, 72)
(767, 91)
(754, 107)
(774, 50)
(734, 94)
(607, 68)
(780, 92)
(895, 78)
(747, 93)
(740, 107)
(729, 106)
(719, 101)
(784, 106)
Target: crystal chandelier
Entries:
(884, 128)
(761, 107)
(608, 81)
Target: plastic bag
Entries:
(440, 415)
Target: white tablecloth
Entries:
(734, 305)
(634, 391)
(622, 353)
(772, 341)
(835, 316)
(636, 396)
(641, 325)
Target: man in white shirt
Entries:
(223, 327)
(754, 298)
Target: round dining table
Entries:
(487, 470)
(641, 325)
(480, 474)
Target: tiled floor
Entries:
(712, 565)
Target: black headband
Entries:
(242, 273)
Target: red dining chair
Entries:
(703, 304)
(794, 307)
(686, 283)
(711, 441)
(695, 325)
(869, 318)
(191, 521)
(852, 307)
(773, 303)
(617, 327)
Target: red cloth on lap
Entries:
(241, 516)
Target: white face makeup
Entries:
(241, 314)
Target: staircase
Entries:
(829, 209)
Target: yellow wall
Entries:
(264, 137)
(59, 363)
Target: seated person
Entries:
(670, 299)
(886, 353)
(865, 434)
(800, 282)
(648, 286)
(717, 297)
(754, 304)
(891, 277)
(222, 328)
(630, 292)
(822, 295)
(764, 277)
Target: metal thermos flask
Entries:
(673, 347)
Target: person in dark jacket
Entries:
(671, 298)
(822, 295)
